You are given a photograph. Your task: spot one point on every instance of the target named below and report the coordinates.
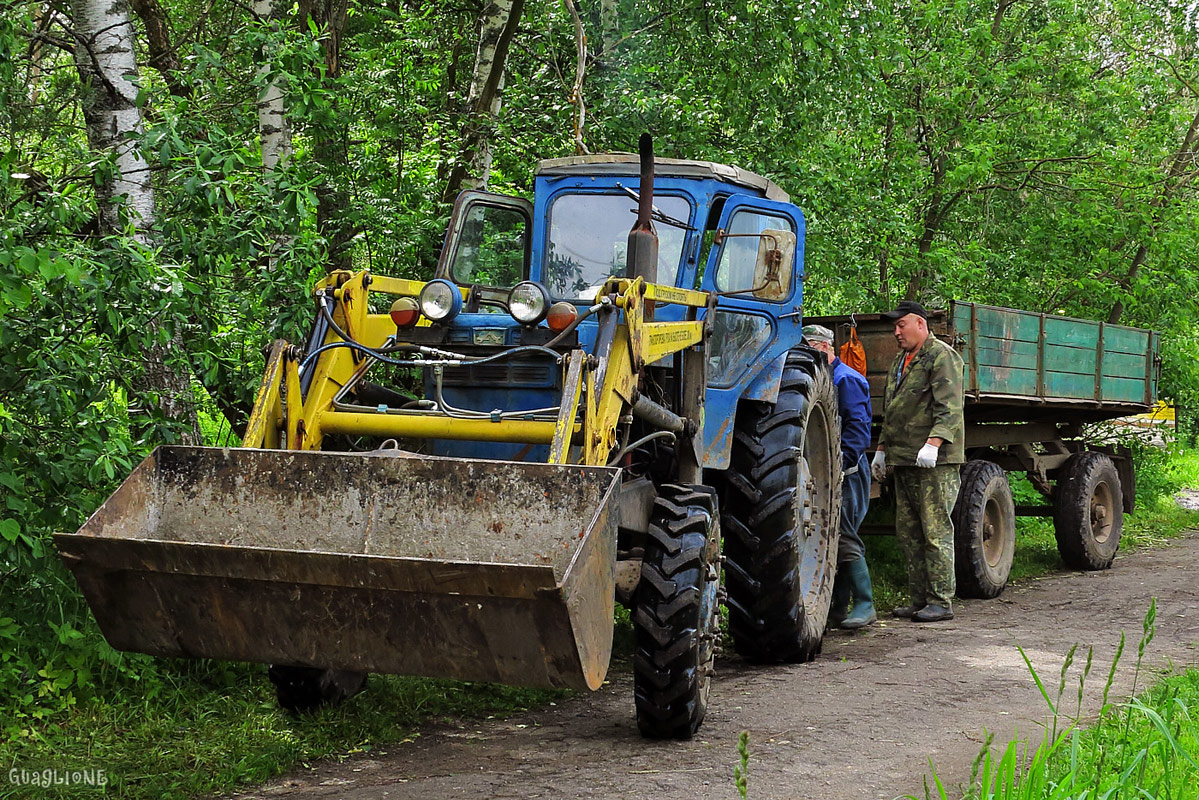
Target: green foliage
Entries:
(1180, 378)
(741, 769)
(1156, 476)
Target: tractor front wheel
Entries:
(675, 613)
(302, 689)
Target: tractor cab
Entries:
(719, 229)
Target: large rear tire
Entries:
(675, 613)
(1088, 511)
(782, 507)
(984, 525)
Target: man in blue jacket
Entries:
(853, 401)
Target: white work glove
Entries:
(927, 457)
(878, 466)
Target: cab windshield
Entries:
(589, 236)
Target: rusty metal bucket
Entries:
(469, 569)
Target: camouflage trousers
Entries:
(924, 500)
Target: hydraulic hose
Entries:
(454, 359)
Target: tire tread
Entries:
(768, 616)
(975, 577)
(1072, 515)
(670, 683)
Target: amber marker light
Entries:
(560, 316)
(405, 312)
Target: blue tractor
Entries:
(601, 396)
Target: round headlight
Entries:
(440, 300)
(528, 302)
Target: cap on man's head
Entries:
(904, 308)
(817, 333)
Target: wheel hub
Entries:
(1101, 512)
(992, 543)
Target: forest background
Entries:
(174, 175)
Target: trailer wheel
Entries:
(306, 688)
(781, 511)
(675, 613)
(984, 524)
(1088, 511)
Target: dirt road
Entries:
(859, 722)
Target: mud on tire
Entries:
(781, 509)
(675, 613)
(1088, 511)
(984, 525)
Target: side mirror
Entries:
(772, 269)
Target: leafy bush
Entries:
(1156, 473)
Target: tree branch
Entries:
(163, 56)
(576, 92)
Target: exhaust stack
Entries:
(642, 260)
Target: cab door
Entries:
(757, 319)
(488, 241)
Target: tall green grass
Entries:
(1145, 748)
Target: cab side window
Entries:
(738, 260)
(737, 338)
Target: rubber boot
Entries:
(842, 592)
(930, 613)
(863, 596)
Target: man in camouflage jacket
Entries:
(923, 439)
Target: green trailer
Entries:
(1032, 382)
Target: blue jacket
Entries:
(853, 401)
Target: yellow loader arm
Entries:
(603, 383)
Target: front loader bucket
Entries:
(468, 569)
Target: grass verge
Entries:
(212, 726)
(1145, 748)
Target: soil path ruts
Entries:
(859, 722)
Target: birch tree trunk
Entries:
(609, 24)
(104, 57)
(472, 168)
(274, 133)
(125, 197)
(273, 130)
